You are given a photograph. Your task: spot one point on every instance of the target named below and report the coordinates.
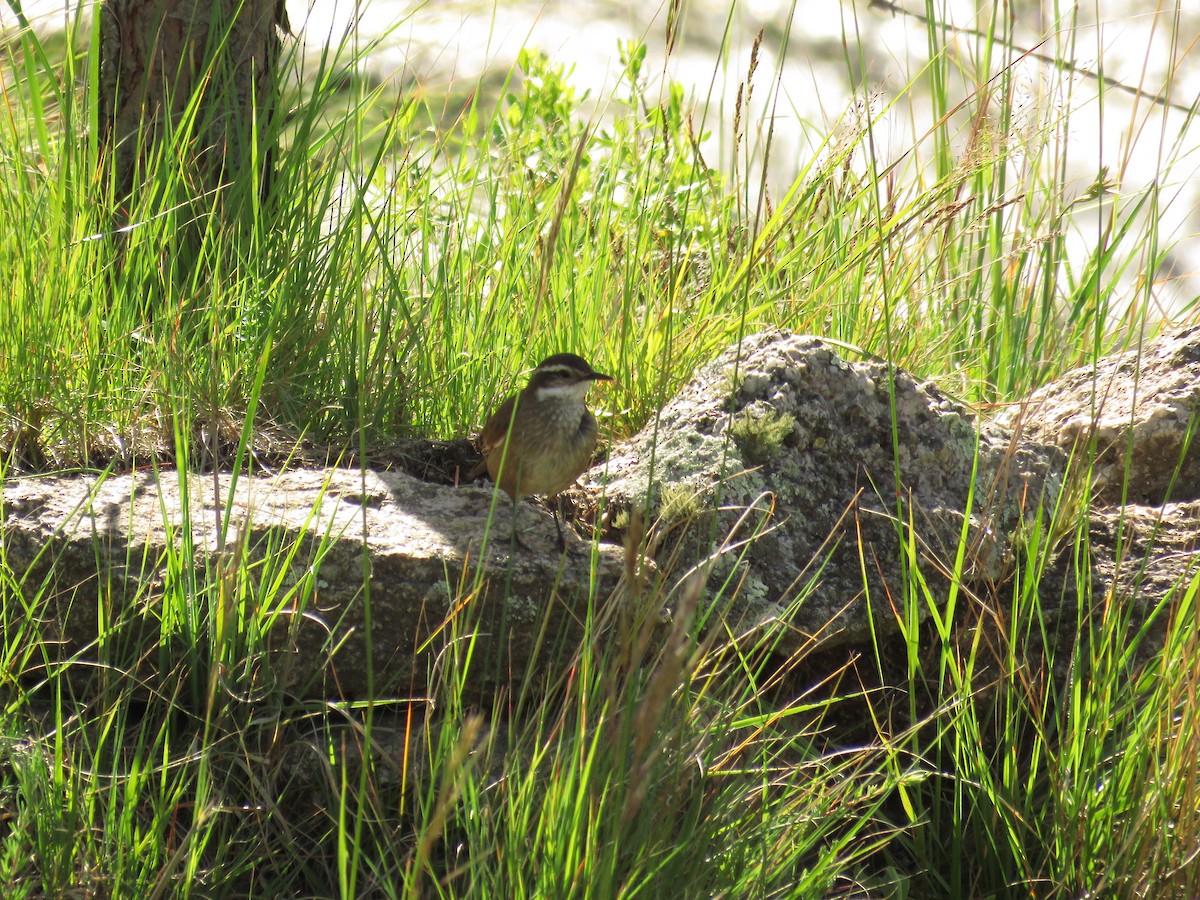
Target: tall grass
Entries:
(407, 264)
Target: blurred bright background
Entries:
(830, 56)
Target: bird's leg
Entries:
(515, 537)
(556, 509)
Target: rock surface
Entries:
(421, 543)
(786, 427)
(1131, 413)
(1127, 425)
(799, 483)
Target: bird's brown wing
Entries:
(491, 439)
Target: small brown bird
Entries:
(541, 439)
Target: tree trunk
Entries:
(201, 70)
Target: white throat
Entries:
(576, 391)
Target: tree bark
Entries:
(201, 70)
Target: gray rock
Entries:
(780, 474)
(785, 428)
(1128, 423)
(106, 550)
(1131, 414)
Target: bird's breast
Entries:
(551, 451)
